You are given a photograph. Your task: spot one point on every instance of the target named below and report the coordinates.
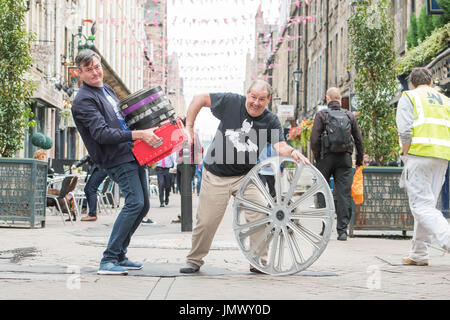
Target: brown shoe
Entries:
(89, 218)
(411, 262)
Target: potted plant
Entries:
(66, 116)
(22, 181)
(425, 51)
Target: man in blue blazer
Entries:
(107, 139)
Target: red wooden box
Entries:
(172, 135)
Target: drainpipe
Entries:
(297, 83)
(305, 72)
(58, 38)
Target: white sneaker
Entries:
(148, 222)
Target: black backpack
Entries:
(337, 136)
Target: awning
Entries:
(47, 95)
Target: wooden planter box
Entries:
(23, 187)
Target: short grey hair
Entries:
(262, 83)
(420, 76)
(84, 57)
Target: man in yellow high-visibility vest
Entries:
(423, 123)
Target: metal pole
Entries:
(186, 190)
(297, 83)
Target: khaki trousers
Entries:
(215, 192)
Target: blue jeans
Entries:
(445, 194)
(132, 181)
(198, 174)
(90, 189)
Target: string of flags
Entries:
(147, 42)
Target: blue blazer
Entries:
(97, 123)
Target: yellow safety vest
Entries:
(431, 126)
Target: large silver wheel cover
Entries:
(288, 226)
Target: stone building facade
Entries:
(156, 35)
(313, 39)
(175, 87)
(116, 30)
(49, 21)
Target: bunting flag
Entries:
(217, 45)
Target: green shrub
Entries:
(424, 24)
(372, 54)
(411, 37)
(15, 89)
(426, 51)
(445, 5)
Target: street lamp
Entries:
(297, 75)
(83, 42)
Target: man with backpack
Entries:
(334, 134)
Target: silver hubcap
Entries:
(286, 233)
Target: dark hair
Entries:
(84, 57)
(420, 76)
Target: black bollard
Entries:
(186, 190)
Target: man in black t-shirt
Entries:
(246, 126)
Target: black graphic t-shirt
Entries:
(240, 138)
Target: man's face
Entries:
(257, 100)
(92, 74)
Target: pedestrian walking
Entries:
(266, 174)
(164, 180)
(173, 179)
(423, 123)
(334, 135)
(198, 175)
(94, 179)
(107, 139)
(241, 119)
